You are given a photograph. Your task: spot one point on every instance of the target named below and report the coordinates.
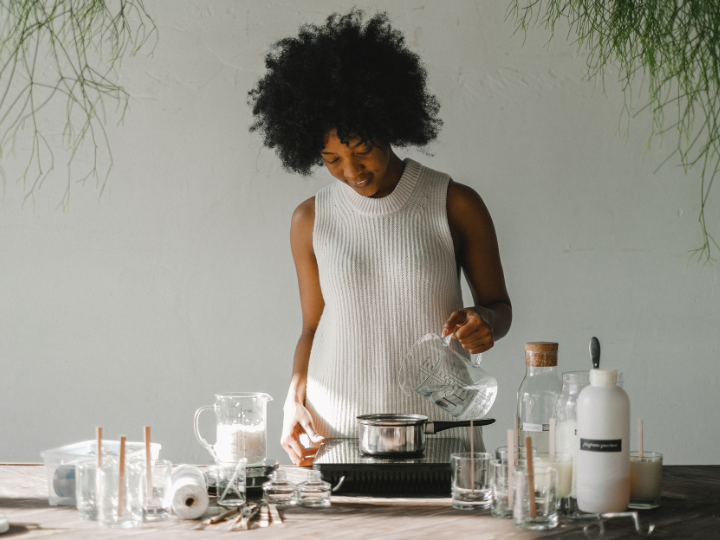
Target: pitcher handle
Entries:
(197, 429)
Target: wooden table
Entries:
(690, 509)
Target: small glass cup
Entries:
(157, 502)
(563, 464)
(645, 480)
(314, 492)
(278, 490)
(544, 514)
(500, 481)
(120, 503)
(471, 480)
(231, 484)
(86, 493)
(501, 452)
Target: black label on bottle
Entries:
(601, 445)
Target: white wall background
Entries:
(178, 282)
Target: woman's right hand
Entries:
(297, 420)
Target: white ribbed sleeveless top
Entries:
(388, 277)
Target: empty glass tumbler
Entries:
(121, 494)
(433, 370)
(231, 482)
(471, 480)
(534, 504)
(158, 483)
(86, 493)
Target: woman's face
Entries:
(370, 169)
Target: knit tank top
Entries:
(388, 276)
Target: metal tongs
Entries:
(596, 530)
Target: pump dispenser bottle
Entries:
(603, 434)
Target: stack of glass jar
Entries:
(314, 492)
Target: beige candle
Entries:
(645, 476)
(562, 463)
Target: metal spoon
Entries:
(595, 352)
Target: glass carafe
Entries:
(433, 370)
(241, 427)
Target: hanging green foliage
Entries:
(67, 50)
(671, 45)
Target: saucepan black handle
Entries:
(436, 427)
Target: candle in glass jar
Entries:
(645, 476)
(563, 465)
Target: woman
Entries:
(378, 254)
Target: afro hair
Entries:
(355, 76)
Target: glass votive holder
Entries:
(157, 500)
(86, 492)
(563, 464)
(120, 502)
(501, 452)
(471, 480)
(501, 483)
(231, 476)
(538, 512)
(645, 480)
(278, 490)
(313, 492)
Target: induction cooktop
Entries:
(350, 471)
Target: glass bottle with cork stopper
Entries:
(538, 393)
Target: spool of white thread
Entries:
(188, 492)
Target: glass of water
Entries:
(471, 485)
(157, 490)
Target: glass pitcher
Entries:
(241, 427)
(434, 371)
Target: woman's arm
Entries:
(476, 251)
(297, 419)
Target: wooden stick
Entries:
(640, 439)
(99, 447)
(121, 478)
(531, 476)
(516, 427)
(511, 464)
(552, 439)
(148, 464)
(472, 454)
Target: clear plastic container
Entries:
(278, 490)
(60, 465)
(314, 492)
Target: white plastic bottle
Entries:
(603, 431)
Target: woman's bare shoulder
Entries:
(465, 206)
(304, 214)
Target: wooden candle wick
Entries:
(531, 477)
(511, 465)
(640, 439)
(121, 479)
(148, 464)
(552, 439)
(472, 454)
(99, 447)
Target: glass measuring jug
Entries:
(434, 371)
(241, 427)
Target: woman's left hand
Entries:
(470, 329)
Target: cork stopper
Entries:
(541, 354)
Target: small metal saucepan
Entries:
(401, 434)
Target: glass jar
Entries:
(314, 492)
(538, 394)
(278, 490)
